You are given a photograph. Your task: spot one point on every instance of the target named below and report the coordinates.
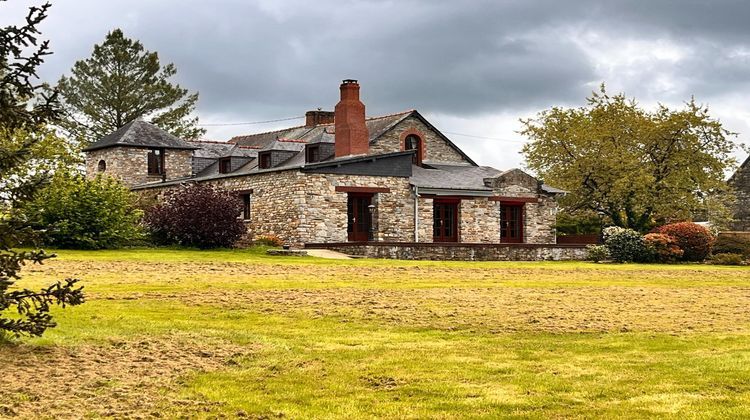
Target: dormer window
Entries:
(414, 142)
(312, 153)
(225, 165)
(156, 162)
(264, 160)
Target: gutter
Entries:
(454, 192)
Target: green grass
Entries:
(401, 339)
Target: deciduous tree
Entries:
(634, 167)
(120, 82)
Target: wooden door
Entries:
(445, 221)
(511, 223)
(358, 214)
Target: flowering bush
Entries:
(661, 248)
(197, 215)
(624, 245)
(694, 240)
(597, 253)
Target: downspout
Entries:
(416, 214)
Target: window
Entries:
(445, 221)
(225, 166)
(265, 160)
(156, 162)
(511, 223)
(245, 206)
(413, 142)
(312, 153)
(102, 166)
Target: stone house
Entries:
(344, 178)
(740, 183)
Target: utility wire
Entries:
(250, 123)
(484, 138)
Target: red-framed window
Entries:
(414, 142)
(445, 220)
(511, 222)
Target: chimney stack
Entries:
(351, 136)
(313, 118)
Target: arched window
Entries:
(413, 142)
(102, 166)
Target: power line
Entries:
(484, 138)
(250, 123)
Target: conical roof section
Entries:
(139, 133)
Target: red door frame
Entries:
(506, 226)
(357, 207)
(439, 214)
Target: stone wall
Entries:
(130, 164)
(460, 252)
(435, 148)
(306, 208)
(741, 184)
(540, 216)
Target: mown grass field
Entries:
(236, 333)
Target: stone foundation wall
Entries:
(460, 252)
(435, 148)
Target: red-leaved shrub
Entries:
(694, 240)
(662, 248)
(197, 215)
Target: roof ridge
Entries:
(209, 141)
(267, 132)
(319, 125)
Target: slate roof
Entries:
(139, 133)
(377, 126)
(453, 177)
(287, 145)
(460, 177)
(219, 149)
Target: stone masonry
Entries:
(740, 181)
(130, 164)
(435, 149)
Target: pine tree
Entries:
(120, 82)
(25, 111)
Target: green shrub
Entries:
(597, 253)
(694, 240)
(661, 248)
(728, 259)
(731, 244)
(81, 213)
(197, 215)
(625, 245)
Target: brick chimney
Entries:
(313, 118)
(351, 136)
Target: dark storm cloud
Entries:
(273, 58)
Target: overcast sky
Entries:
(471, 67)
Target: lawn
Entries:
(236, 333)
